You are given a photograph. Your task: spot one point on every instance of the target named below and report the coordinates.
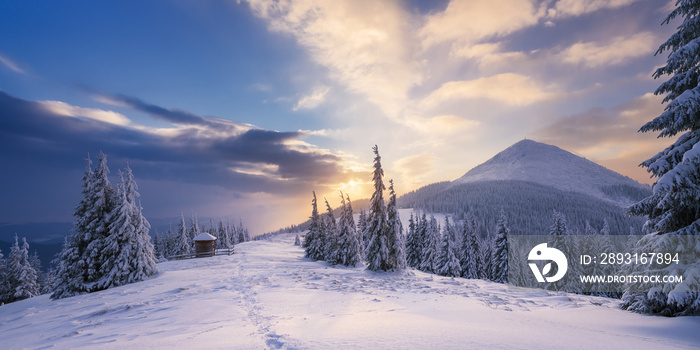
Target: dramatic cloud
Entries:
(509, 88)
(618, 51)
(252, 160)
(62, 108)
(365, 44)
(11, 65)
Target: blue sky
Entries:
(242, 108)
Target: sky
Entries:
(242, 108)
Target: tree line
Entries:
(180, 241)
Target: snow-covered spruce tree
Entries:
(194, 230)
(72, 265)
(486, 245)
(313, 242)
(431, 248)
(297, 240)
(470, 250)
(448, 264)
(128, 250)
(41, 277)
(499, 261)
(395, 236)
(559, 230)
(4, 283)
(378, 249)
(362, 226)
(102, 202)
(413, 244)
(330, 245)
(673, 210)
(348, 240)
(182, 244)
(25, 276)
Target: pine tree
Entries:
(348, 240)
(431, 251)
(330, 245)
(194, 230)
(297, 240)
(470, 250)
(413, 244)
(395, 237)
(378, 248)
(183, 243)
(362, 226)
(499, 261)
(128, 250)
(673, 210)
(4, 283)
(448, 264)
(25, 276)
(102, 202)
(313, 242)
(41, 277)
(486, 270)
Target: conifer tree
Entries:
(448, 264)
(431, 250)
(499, 261)
(4, 283)
(486, 245)
(470, 250)
(413, 244)
(102, 202)
(128, 250)
(378, 249)
(395, 237)
(672, 211)
(330, 245)
(313, 242)
(25, 276)
(182, 244)
(348, 240)
(362, 226)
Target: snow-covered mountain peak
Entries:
(549, 165)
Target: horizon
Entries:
(243, 108)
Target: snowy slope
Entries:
(549, 165)
(268, 296)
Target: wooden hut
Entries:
(204, 245)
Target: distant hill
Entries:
(552, 166)
(530, 180)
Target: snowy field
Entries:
(268, 296)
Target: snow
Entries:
(268, 296)
(204, 237)
(549, 165)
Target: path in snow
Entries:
(268, 296)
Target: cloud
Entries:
(11, 65)
(470, 21)
(62, 108)
(573, 8)
(610, 136)
(312, 100)
(366, 45)
(619, 50)
(413, 168)
(247, 161)
(510, 88)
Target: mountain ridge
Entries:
(533, 161)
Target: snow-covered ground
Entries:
(268, 296)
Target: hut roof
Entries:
(204, 237)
